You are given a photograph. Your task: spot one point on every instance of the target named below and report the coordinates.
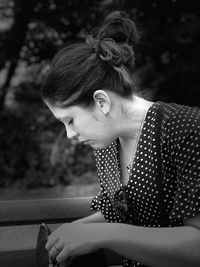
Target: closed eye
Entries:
(70, 122)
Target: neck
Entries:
(133, 115)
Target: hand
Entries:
(71, 239)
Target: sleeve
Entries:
(187, 165)
(101, 202)
(97, 202)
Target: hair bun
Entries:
(114, 41)
(120, 28)
(112, 53)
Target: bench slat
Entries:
(20, 212)
(31, 212)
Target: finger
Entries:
(63, 255)
(51, 242)
(67, 263)
(70, 259)
(53, 237)
(59, 245)
(54, 252)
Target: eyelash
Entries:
(70, 122)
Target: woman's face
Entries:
(89, 125)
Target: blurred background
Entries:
(36, 159)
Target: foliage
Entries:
(170, 50)
(36, 150)
(33, 148)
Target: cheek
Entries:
(86, 126)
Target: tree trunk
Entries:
(4, 88)
(14, 40)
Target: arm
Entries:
(97, 217)
(156, 247)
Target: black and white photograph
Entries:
(99, 133)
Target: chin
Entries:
(97, 146)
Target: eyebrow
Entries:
(63, 118)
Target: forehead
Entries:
(67, 112)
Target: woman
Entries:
(147, 155)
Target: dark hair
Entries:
(78, 70)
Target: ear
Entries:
(102, 101)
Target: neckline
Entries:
(122, 185)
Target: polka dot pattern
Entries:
(179, 151)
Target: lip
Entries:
(85, 142)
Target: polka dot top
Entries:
(168, 155)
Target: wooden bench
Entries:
(20, 221)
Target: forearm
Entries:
(155, 247)
(96, 217)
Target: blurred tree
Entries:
(13, 39)
(40, 27)
(36, 30)
(31, 31)
(168, 58)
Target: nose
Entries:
(71, 134)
